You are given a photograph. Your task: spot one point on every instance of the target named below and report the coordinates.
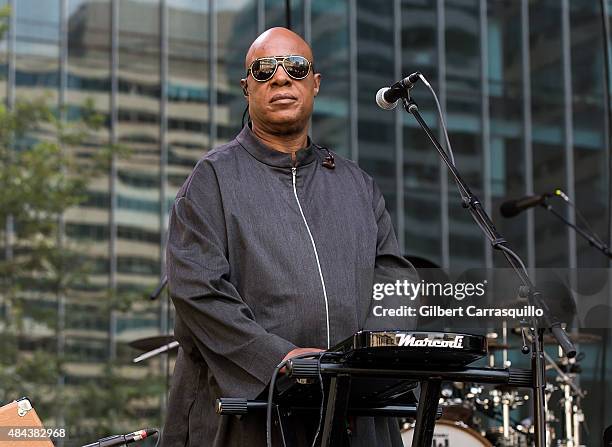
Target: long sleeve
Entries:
(240, 353)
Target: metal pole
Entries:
(485, 122)
(112, 225)
(443, 176)
(288, 14)
(163, 179)
(353, 103)
(399, 140)
(527, 129)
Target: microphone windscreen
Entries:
(509, 208)
(382, 103)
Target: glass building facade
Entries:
(521, 83)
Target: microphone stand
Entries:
(589, 238)
(472, 203)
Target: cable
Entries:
(515, 256)
(321, 355)
(280, 366)
(560, 194)
(246, 115)
(442, 122)
(449, 151)
(476, 218)
(484, 229)
(322, 398)
(269, 403)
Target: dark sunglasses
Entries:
(263, 69)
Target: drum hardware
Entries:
(505, 362)
(456, 402)
(551, 419)
(503, 345)
(153, 346)
(549, 339)
(506, 417)
(525, 347)
(150, 343)
(508, 399)
(166, 348)
(496, 345)
(578, 419)
(566, 371)
(513, 438)
(579, 338)
(573, 416)
(498, 403)
(491, 343)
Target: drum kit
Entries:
(477, 415)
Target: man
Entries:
(270, 238)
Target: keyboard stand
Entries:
(426, 412)
(337, 403)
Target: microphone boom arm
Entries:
(589, 238)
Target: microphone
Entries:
(387, 97)
(118, 440)
(511, 208)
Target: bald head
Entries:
(277, 42)
(281, 105)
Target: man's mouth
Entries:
(285, 97)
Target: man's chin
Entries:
(287, 124)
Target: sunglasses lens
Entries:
(297, 67)
(263, 69)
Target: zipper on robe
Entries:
(314, 247)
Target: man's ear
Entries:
(245, 87)
(317, 83)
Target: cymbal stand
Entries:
(572, 393)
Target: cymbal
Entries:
(150, 343)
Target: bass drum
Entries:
(449, 434)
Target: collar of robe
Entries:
(272, 157)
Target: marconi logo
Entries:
(411, 340)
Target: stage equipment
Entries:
(121, 440)
(373, 373)
(538, 325)
(511, 208)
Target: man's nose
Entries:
(281, 77)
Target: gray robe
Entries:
(247, 287)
